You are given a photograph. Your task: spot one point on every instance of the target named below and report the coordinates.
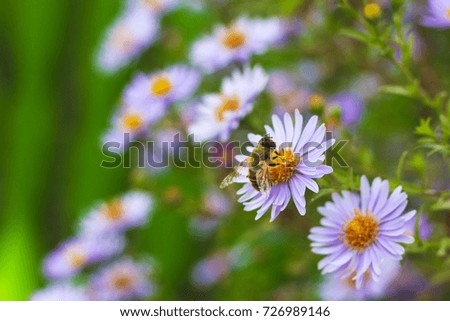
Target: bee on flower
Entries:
(219, 114)
(292, 159)
(236, 42)
(360, 231)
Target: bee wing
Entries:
(263, 179)
(239, 171)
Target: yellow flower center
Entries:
(160, 86)
(286, 164)
(122, 282)
(448, 13)
(132, 122)
(361, 231)
(76, 257)
(228, 104)
(233, 38)
(113, 210)
(372, 10)
(316, 101)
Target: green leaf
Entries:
(424, 128)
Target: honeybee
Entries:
(256, 166)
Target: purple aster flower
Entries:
(350, 104)
(219, 114)
(425, 227)
(64, 291)
(360, 231)
(122, 280)
(131, 34)
(75, 254)
(171, 85)
(120, 214)
(437, 15)
(216, 205)
(236, 42)
(337, 288)
(301, 155)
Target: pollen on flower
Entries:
(160, 86)
(113, 210)
(132, 122)
(361, 231)
(228, 104)
(121, 281)
(285, 166)
(233, 38)
(76, 257)
(372, 10)
(316, 101)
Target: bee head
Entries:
(267, 142)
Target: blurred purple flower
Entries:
(64, 291)
(350, 104)
(360, 231)
(132, 33)
(156, 8)
(120, 214)
(131, 122)
(75, 254)
(211, 270)
(425, 227)
(216, 205)
(437, 15)
(171, 85)
(301, 159)
(219, 114)
(337, 288)
(122, 280)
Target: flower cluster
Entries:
(145, 102)
(361, 232)
(101, 240)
